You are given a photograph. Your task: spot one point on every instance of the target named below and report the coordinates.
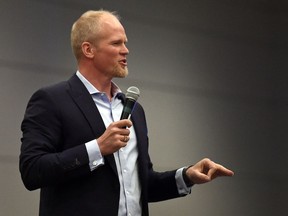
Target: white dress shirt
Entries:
(125, 158)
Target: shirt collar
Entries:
(92, 90)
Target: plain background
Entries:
(213, 81)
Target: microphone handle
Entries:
(127, 109)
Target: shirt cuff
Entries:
(95, 157)
(182, 188)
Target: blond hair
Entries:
(87, 28)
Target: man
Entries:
(74, 147)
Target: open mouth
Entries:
(123, 62)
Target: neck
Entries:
(99, 81)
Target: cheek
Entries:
(107, 58)
(108, 55)
(105, 63)
(104, 58)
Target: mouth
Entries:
(123, 62)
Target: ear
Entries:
(88, 49)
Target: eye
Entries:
(116, 43)
(119, 42)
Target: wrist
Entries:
(186, 179)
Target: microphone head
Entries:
(133, 93)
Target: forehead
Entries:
(111, 27)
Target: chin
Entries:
(122, 73)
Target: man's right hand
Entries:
(115, 137)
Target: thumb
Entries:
(200, 178)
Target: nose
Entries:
(125, 50)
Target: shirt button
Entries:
(94, 163)
(124, 170)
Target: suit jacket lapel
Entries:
(84, 101)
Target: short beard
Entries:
(120, 72)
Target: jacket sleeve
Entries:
(162, 185)
(43, 161)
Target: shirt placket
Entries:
(122, 158)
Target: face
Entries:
(110, 51)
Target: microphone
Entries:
(132, 95)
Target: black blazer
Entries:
(59, 120)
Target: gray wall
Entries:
(213, 81)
